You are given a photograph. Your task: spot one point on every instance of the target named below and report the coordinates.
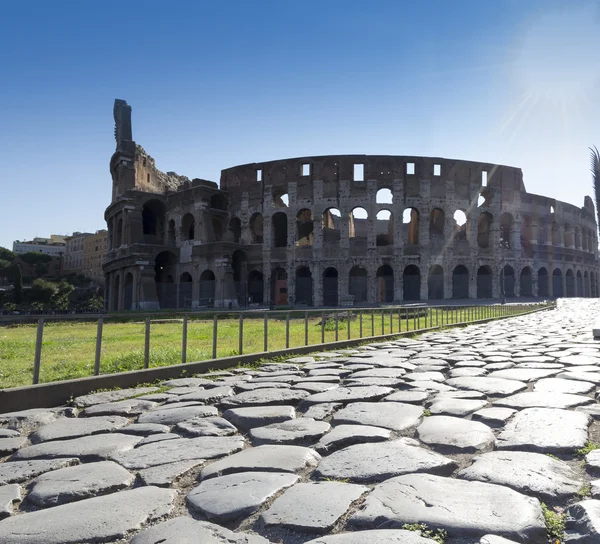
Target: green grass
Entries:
(438, 535)
(555, 524)
(68, 348)
(590, 446)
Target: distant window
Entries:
(259, 175)
(410, 168)
(359, 172)
(148, 178)
(437, 169)
(306, 169)
(484, 179)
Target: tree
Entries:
(595, 167)
(60, 299)
(17, 283)
(7, 254)
(42, 291)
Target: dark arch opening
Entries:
(153, 221)
(385, 284)
(508, 281)
(580, 291)
(411, 280)
(570, 283)
(255, 287)
(240, 275)
(164, 270)
(304, 286)
(460, 282)
(484, 227)
(357, 286)
(543, 284)
(235, 230)
(218, 202)
(257, 228)
(188, 227)
(557, 284)
(207, 289)
(484, 282)
(435, 283)
(185, 290)
(279, 286)
(128, 295)
(526, 282)
(330, 287)
(279, 229)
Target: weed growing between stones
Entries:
(426, 413)
(590, 446)
(439, 535)
(552, 457)
(555, 524)
(585, 491)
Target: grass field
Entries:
(68, 348)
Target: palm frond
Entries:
(595, 168)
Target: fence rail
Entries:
(78, 346)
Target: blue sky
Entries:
(216, 84)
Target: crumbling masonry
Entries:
(337, 230)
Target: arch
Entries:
(165, 266)
(568, 235)
(119, 233)
(188, 227)
(279, 229)
(557, 283)
(543, 284)
(484, 282)
(526, 282)
(280, 199)
(330, 287)
(460, 282)
(586, 284)
(506, 231)
(304, 286)
(235, 230)
(410, 218)
(435, 283)
(185, 290)
(217, 225)
(358, 224)
(579, 283)
(576, 238)
(206, 296)
(507, 281)
(171, 233)
(153, 220)
(384, 196)
(385, 284)
(484, 228)
(332, 220)
(384, 228)
(218, 202)
(304, 228)
(437, 219)
(256, 286)
(411, 280)
(459, 232)
(357, 284)
(115, 303)
(555, 234)
(279, 286)
(128, 295)
(570, 283)
(257, 228)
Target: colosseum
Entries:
(338, 230)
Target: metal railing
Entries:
(221, 334)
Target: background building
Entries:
(73, 259)
(54, 246)
(94, 252)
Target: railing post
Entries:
(147, 344)
(382, 322)
(414, 319)
(287, 330)
(323, 328)
(336, 326)
(372, 323)
(306, 328)
(349, 320)
(360, 314)
(184, 340)
(266, 332)
(98, 347)
(406, 310)
(391, 322)
(214, 339)
(241, 335)
(37, 361)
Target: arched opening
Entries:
(385, 284)
(584, 240)
(555, 234)
(557, 283)
(527, 236)
(411, 280)
(543, 285)
(280, 199)
(279, 286)
(218, 202)
(256, 287)
(484, 282)
(128, 295)
(579, 292)
(185, 290)
(568, 236)
(304, 286)
(384, 196)
(165, 266)
(506, 231)
(593, 285)
(526, 282)
(217, 225)
(570, 283)
(358, 225)
(577, 238)
(484, 228)
(357, 284)
(586, 284)
(436, 224)
(279, 229)
(460, 282)
(171, 235)
(330, 287)
(188, 227)
(235, 230)
(207, 288)
(542, 237)
(119, 233)
(257, 228)
(304, 228)
(435, 283)
(332, 220)
(459, 231)
(507, 281)
(410, 220)
(153, 221)
(384, 228)
(239, 264)
(115, 303)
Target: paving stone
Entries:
(208, 395)
(381, 382)
(462, 372)
(145, 429)
(425, 376)
(251, 386)
(156, 438)
(578, 360)
(389, 415)
(557, 385)
(529, 473)
(583, 522)
(165, 475)
(322, 410)
(543, 400)
(10, 445)
(463, 395)
(348, 394)
(177, 392)
(78, 482)
(99, 519)
(157, 397)
(128, 407)
(334, 380)
(303, 431)
(430, 385)
(592, 460)
(409, 396)
(488, 385)
(493, 539)
(110, 396)
(172, 416)
(268, 458)
(9, 494)
(186, 530)
(545, 430)
(315, 387)
(498, 366)
(233, 496)
(264, 397)
(455, 434)
(464, 509)
(523, 374)
(380, 373)
(379, 461)
(340, 372)
(180, 404)
(376, 536)
(9, 433)
(304, 360)
(27, 421)
(20, 471)
(65, 428)
(593, 410)
(206, 426)
(312, 507)
(456, 407)
(349, 435)
(183, 449)
(494, 417)
(248, 418)
(593, 377)
(91, 448)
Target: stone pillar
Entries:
(473, 281)
(317, 274)
(195, 290)
(291, 283)
(423, 294)
(517, 236)
(397, 211)
(448, 282)
(496, 282)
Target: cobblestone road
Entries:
(469, 431)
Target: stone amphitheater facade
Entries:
(337, 230)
